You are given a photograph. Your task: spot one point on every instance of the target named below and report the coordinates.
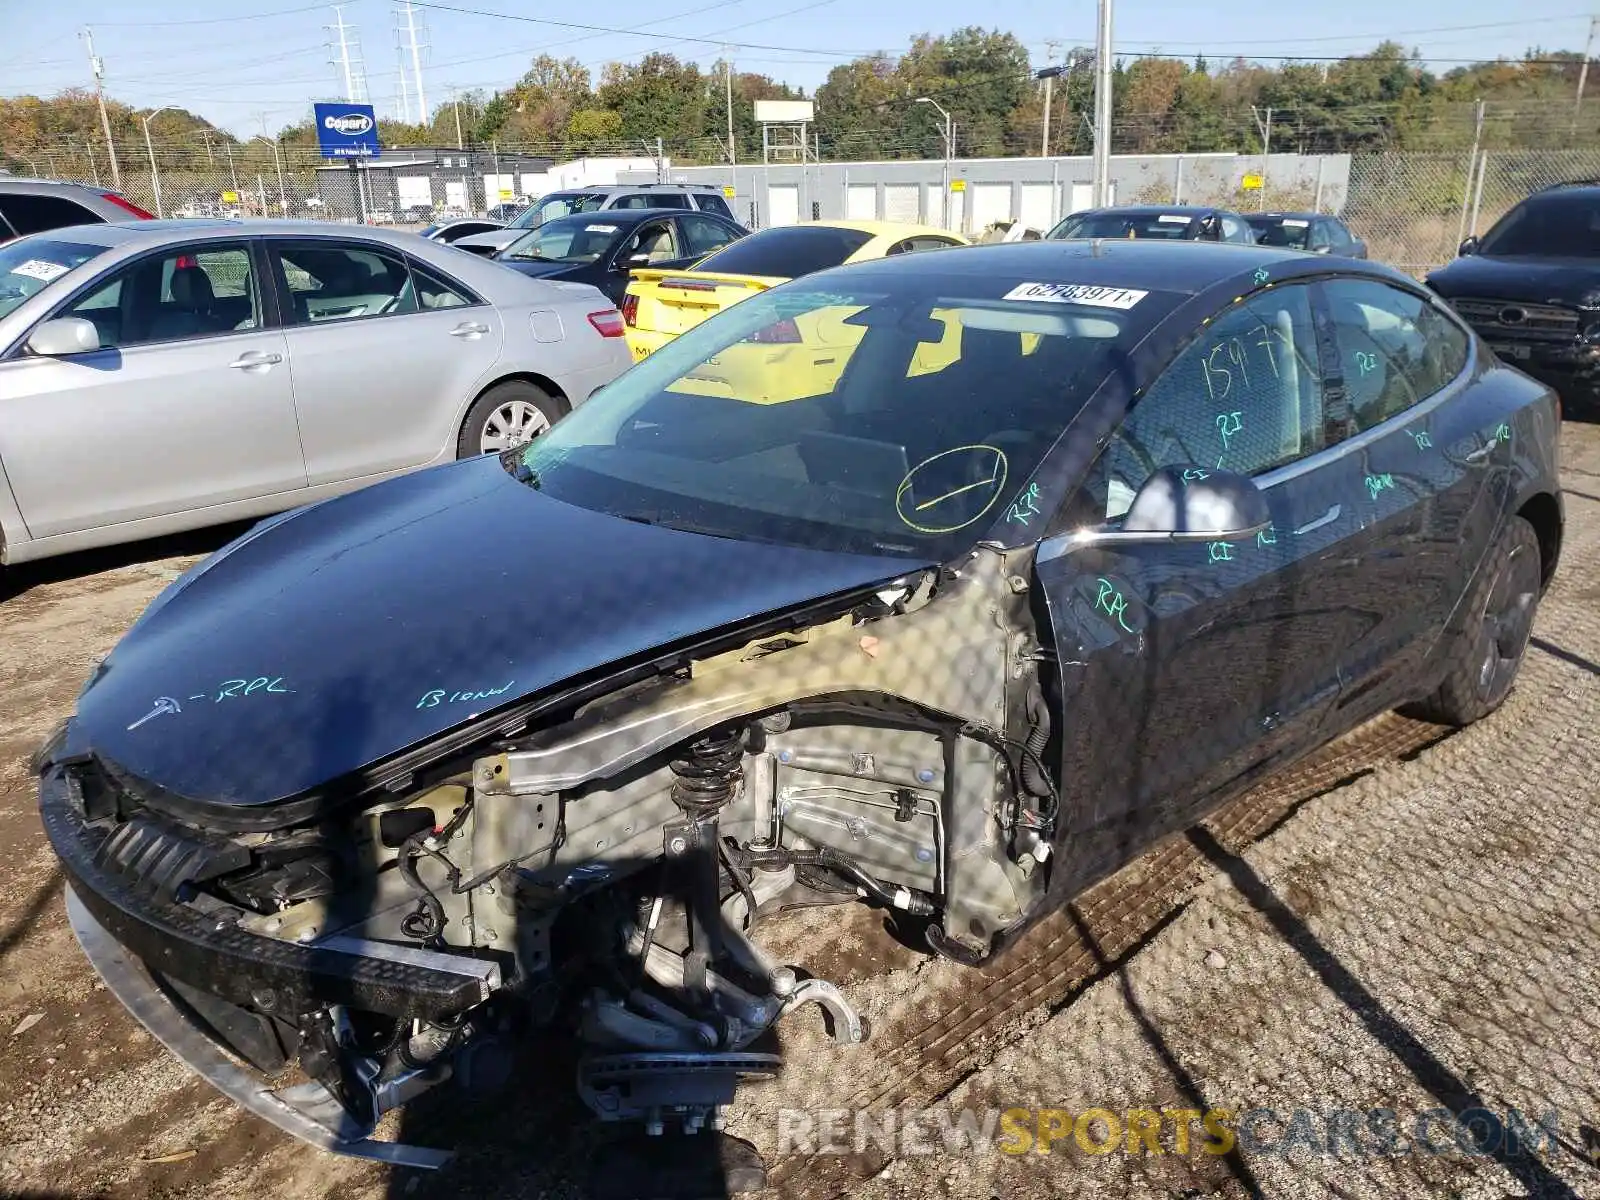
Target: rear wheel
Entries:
(1488, 644)
(507, 415)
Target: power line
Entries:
(671, 37)
(262, 16)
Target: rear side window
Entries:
(713, 203)
(1395, 348)
(34, 214)
(329, 281)
(789, 252)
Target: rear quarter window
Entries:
(34, 214)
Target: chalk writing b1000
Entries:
(444, 696)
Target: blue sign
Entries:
(346, 130)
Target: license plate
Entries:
(1506, 350)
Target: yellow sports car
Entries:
(792, 358)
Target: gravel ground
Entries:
(1409, 922)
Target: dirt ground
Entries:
(1408, 923)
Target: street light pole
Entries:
(277, 158)
(949, 151)
(1102, 109)
(155, 175)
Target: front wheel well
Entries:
(1544, 513)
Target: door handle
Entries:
(469, 329)
(255, 358)
(1327, 518)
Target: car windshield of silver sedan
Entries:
(30, 264)
(904, 416)
(579, 239)
(1159, 225)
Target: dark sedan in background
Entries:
(400, 775)
(600, 248)
(1531, 287)
(1158, 222)
(1316, 232)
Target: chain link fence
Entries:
(1415, 209)
(1412, 208)
(261, 180)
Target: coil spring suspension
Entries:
(709, 773)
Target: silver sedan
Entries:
(158, 376)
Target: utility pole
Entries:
(455, 103)
(727, 79)
(1049, 76)
(1264, 128)
(1583, 71)
(410, 15)
(1102, 108)
(98, 66)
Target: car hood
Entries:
(1535, 280)
(495, 238)
(329, 639)
(546, 270)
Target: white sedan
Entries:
(159, 376)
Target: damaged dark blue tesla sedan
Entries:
(1047, 550)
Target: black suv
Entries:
(1531, 288)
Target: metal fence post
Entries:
(1477, 196)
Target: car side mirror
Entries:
(1322, 249)
(1470, 246)
(64, 337)
(1196, 503)
(633, 260)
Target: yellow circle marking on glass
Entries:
(996, 480)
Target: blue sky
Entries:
(239, 61)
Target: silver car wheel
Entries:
(512, 424)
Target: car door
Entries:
(386, 352)
(187, 404)
(1185, 667)
(656, 239)
(1419, 470)
(701, 235)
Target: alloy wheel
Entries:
(512, 424)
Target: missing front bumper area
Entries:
(307, 1112)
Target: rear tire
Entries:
(1490, 638)
(509, 414)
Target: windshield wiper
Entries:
(530, 258)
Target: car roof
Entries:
(31, 184)
(146, 235)
(1143, 209)
(1185, 267)
(1288, 216)
(874, 228)
(633, 187)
